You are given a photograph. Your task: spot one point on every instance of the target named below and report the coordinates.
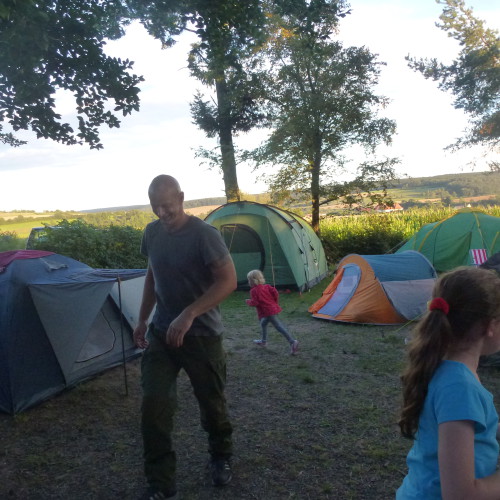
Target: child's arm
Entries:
(456, 464)
(252, 300)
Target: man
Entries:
(189, 273)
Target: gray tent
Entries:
(60, 322)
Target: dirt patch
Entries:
(320, 425)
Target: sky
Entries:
(161, 138)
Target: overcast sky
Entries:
(161, 137)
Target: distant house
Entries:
(386, 208)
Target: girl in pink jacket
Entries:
(265, 299)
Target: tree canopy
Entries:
(48, 46)
(227, 31)
(473, 78)
(320, 102)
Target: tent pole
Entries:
(123, 340)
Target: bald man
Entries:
(190, 272)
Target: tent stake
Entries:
(123, 340)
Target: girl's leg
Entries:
(276, 322)
(263, 327)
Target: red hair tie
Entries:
(439, 304)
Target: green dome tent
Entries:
(279, 243)
(448, 242)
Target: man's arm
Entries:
(147, 304)
(224, 275)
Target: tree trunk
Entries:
(315, 198)
(226, 142)
(315, 167)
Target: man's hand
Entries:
(178, 328)
(140, 335)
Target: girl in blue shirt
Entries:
(446, 410)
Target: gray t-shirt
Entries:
(181, 268)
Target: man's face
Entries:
(166, 203)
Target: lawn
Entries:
(320, 425)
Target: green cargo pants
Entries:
(204, 361)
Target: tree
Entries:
(473, 77)
(227, 30)
(10, 139)
(320, 101)
(48, 46)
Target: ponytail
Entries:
(427, 350)
(464, 302)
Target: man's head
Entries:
(166, 200)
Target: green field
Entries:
(409, 194)
(22, 229)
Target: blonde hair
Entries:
(256, 277)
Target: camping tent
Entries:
(279, 243)
(377, 289)
(60, 323)
(448, 242)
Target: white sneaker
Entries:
(260, 342)
(294, 347)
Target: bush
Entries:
(361, 234)
(10, 241)
(112, 247)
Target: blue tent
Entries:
(61, 322)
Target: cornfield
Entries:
(374, 234)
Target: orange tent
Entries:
(377, 289)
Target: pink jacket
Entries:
(265, 299)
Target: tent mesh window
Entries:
(246, 249)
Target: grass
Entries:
(320, 425)
(23, 229)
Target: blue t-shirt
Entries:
(454, 394)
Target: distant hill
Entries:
(461, 185)
(458, 185)
(202, 202)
